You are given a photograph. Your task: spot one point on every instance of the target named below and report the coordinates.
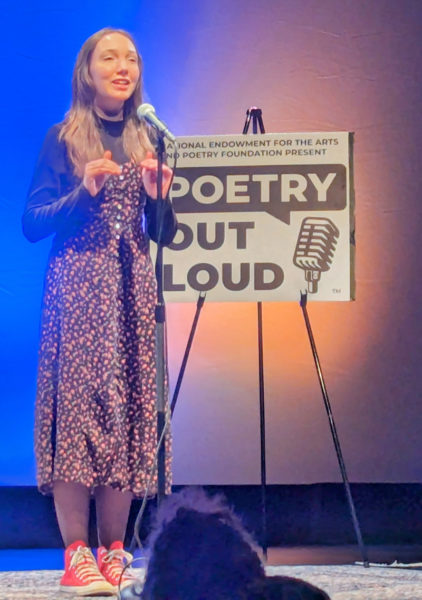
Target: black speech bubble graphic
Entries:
(336, 193)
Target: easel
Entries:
(255, 114)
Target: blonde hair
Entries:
(80, 129)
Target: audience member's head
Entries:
(284, 588)
(199, 550)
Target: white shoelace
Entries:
(85, 565)
(119, 556)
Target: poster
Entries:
(262, 218)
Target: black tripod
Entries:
(255, 114)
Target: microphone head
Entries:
(315, 248)
(144, 110)
(316, 244)
(147, 112)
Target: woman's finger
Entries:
(152, 166)
(149, 178)
(105, 166)
(149, 163)
(106, 159)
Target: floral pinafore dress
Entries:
(96, 390)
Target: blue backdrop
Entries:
(311, 65)
(39, 43)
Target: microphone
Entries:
(315, 247)
(147, 112)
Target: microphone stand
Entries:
(160, 322)
(160, 331)
(160, 352)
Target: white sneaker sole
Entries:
(99, 588)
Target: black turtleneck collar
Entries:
(113, 128)
(111, 133)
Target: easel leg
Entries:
(199, 305)
(303, 302)
(262, 430)
(255, 114)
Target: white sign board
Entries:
(262, 218)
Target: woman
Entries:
(95, 428)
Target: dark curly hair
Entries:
(284, 588)
(199, 550)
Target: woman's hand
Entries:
(97, 171)
(149, 169)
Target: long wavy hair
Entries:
(80, 126)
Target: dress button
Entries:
(117, 226)
(119, 206)
(121, 177)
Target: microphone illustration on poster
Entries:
(315, 249)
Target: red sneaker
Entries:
(111, 564)
(82, 576)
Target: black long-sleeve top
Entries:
(58, 203)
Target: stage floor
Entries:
(342, 582)
(34, 574)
